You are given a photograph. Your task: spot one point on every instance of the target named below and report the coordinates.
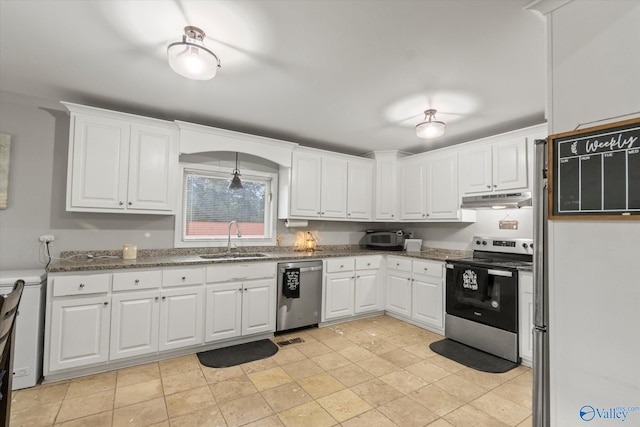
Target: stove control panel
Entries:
(498, 244)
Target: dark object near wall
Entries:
(8, 309)
(238, 354)
(471, 357)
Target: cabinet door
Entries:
(223, 315)
(134, 324)
(525, 309)
(413, 191)
(258, 306)
(338, 295)
(476, 170)
(510, 164)
(386, 188)
(366, 291)
(99, 163)
(152, 168)
(427, 301)
(399, 293)
(79, 332)
(442, 188)
(180, 318)
(359, 190)
(334, 188)
(305, 185)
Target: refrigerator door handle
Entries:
(540, 413)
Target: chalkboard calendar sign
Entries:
(595, 172)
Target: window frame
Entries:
(270, 209)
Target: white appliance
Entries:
(29, 332)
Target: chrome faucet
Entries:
(229, 235)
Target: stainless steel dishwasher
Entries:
(304, 310)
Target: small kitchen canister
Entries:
(129, 251)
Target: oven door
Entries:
(484, 295)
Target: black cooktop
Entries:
(494, 262)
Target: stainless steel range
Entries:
(482, 295)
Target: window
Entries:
(208, 206)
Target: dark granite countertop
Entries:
(112, 260)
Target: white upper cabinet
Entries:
(500, 163)
(327, 185)
(443, 201)
(121, 163)
(359, 190)
(386, 193)
(413, 189)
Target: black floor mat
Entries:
(471, 357)
(238, 354)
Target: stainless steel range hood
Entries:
(497, 201)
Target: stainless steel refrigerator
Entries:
(541, 412)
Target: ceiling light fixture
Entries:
(190, 58)
(430, 128)
(236, 184)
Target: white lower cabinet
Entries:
(415, 290)
(79, 332)
(240, 301)
(525, 320)
(352, 286)
(181, 318)
(134, 324)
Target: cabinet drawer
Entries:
(428, 268)
(237, 272)
(182, 277)
(81, 285)
(136, 280)
(368, 262)
(396, 263)
(335, 265)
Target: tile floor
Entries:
(372, 372)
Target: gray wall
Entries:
(37, 191)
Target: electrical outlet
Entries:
(47, 238)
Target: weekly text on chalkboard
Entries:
(596, 172)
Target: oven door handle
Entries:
(502, 273)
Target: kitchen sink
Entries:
(234, 256)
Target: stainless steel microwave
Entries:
(389, 240)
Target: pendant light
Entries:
(430, 128)
(190, 58)
(236, 184)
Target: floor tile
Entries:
(338, 343)
(35, 396)
(189, 401)
(377, 366)
(311, 349)
(36, 416)
(183, 381)
(440, 422)
(245, 410)
(372, 418)
(103, 419)
(141, 414)
(302, 369)
(436, 400)
(90, 404)
(330, 361)
(501, 408)
(351, 375)
(210, 416)
(321, 385)
(484, 379)
(138, 374)
(403, 381)
(233, 388)
(289, 355)
(401, 357)
(468, 416)
(376, 392)
(269, 378)
(356, 354)
(344, 404)
(92, 384)
(286, 397)
(463, 389)
(528, 422)
(406, 412)
(308, 415)
(179, 364)
(446, 364)
(139, 392)
(427, 371)
(271, 421)
(213, 375)
(516, 392)
(421, 350)
(258, 365)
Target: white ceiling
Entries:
(351, 76)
